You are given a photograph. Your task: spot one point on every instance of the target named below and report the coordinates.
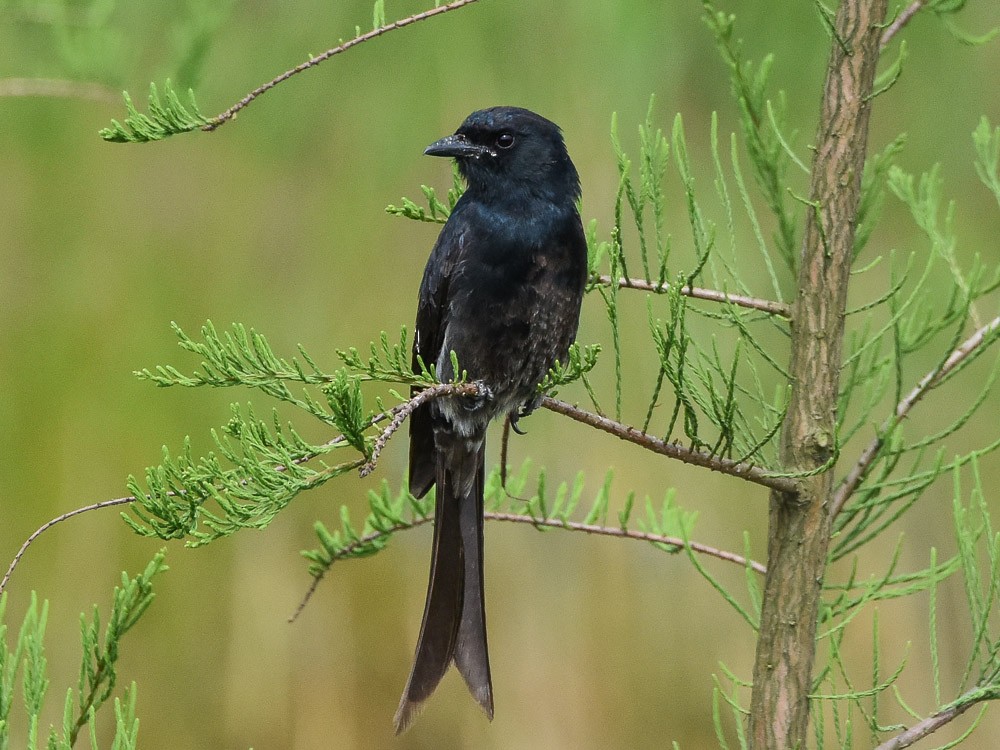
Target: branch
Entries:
(554, 523)
(746, 471)
(404, 410)
(642, 536)
(626, 432)
(764, 305)
(312, 62)
(901, 20)
(931, 380)
(48, 524)
(58, 88)
(398, 415)
(931, 724)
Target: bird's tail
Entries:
(454, 622)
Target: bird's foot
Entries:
(523, 410)
(482, 396)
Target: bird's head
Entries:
(510, 151)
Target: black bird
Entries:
(502, 290)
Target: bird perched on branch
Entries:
(502, 291)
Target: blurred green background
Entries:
(276, 220)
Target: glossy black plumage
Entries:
(502, 289)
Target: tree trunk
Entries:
(799, 523)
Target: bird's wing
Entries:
(432, 303)
(432, 321)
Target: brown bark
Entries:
(799, 523)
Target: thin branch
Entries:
(764, 305)
(398, 415)
(746, 471)
(57, 87)
(131, 499)
(404, 410)
(307, 597)
(554, 523)
(901, 20)
(931, 380)
(642, 536)
(48, 524)
(230, 113)
(346, 551)
(931, 724)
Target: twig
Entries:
(901, 20)
(746, 471)
(58, 88)
(931, 380)
(48, 524)
(230, 113)
(398, 415)
(401, 412)
(306, 598)
(617, 531)
(131, 499)
(931, 724)
(346, 551)
(764, 305)
(555, 523)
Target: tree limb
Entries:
(49, 524)
(57, 87)
(404, 410)
(764, 305)
(643, 536)
(555, 523)
(931, 724)
(229, 114)
(901, 20)
(652, 443)
(930, 381)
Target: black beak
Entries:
(459, 147)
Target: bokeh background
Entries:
(277, 221)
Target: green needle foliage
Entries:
(717, 289)
(722, 394)
(167, 116)
(662, 525)
(915, 316)
(26, 662)
(720, 403)
(762, 121)
(260, 465)
(853, 707)
(436, 211)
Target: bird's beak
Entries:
(457, 146)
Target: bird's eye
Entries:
(505, 140)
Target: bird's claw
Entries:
(513, 424)
(522, 411)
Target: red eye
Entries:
(505, 140)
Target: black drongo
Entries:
(502, 290)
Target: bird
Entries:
(501, 292)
